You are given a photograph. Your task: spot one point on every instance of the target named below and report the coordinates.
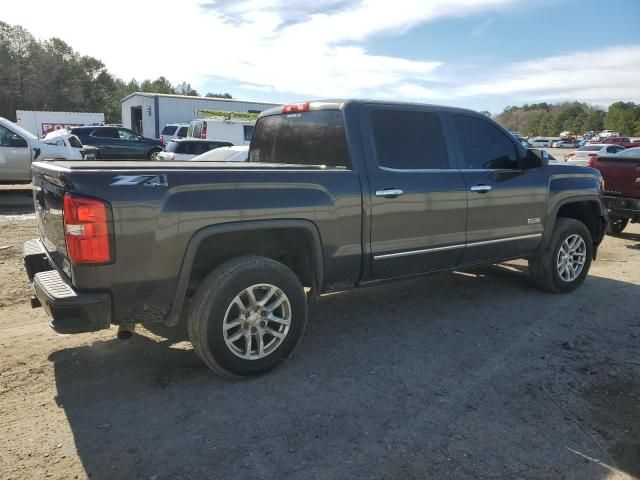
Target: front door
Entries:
(418, 200)
(15, 156)
(506, 204)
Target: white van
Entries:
(236, 131)
(18, 148)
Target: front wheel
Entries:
(564, 263)
(153, 154)
(247, 316)
(616, 225)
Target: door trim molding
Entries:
(453, 247)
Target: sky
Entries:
(480, 54)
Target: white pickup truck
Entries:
(18, 148)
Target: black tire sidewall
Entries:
(612, 227)
(218, 298)
(566, 230)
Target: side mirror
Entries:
(536, 158)
(17, 142)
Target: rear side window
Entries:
(408, 139)
(482, 145)
(310, 138)
(169, 129)
(183, 132)
(105, 133)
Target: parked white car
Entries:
(172, 131)
(540, 143)
(182, 149)
(18, 148)
(591, 151)
(238, 153)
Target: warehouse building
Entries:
(148, 113)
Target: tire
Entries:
(153, 154)
(215, 317)
(546, 267)
(616, 225)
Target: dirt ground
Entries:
(470, 374)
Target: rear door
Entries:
(506, 205)
(418, 199)
(107, 141)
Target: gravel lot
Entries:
(470, 374)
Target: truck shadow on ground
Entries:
(457, 375)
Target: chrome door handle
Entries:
(480, 188)
(389, 192)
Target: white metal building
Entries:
(148, 113)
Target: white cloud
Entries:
(600, 77)
(316, 49)
(305, 48)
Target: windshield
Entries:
(223, 154)
(630, 152)
(590, 148)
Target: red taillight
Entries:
(162, 139)
(296, 107)
(204, 131)
(592, 160)
(86, 229)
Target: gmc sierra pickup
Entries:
(336, 195)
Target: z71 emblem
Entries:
(144, 180)
(531, 221)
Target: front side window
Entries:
(309, 138)
(5, 136)
(182, 132)
(482, 145)
(128, 135)
(408, 139)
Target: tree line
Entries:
(544, 119)
(50, 75)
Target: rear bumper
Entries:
(622, 206)
(71, 311)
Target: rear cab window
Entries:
(169, 129)
(308, 138)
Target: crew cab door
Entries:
(418, 200)
(15, 156)
(506, 204)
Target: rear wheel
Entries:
(564, 263)
(247, 316)
(616, 225)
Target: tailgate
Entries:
(621, 175)
(48, 196)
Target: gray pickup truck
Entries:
(336, 195)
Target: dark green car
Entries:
(118, 142)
